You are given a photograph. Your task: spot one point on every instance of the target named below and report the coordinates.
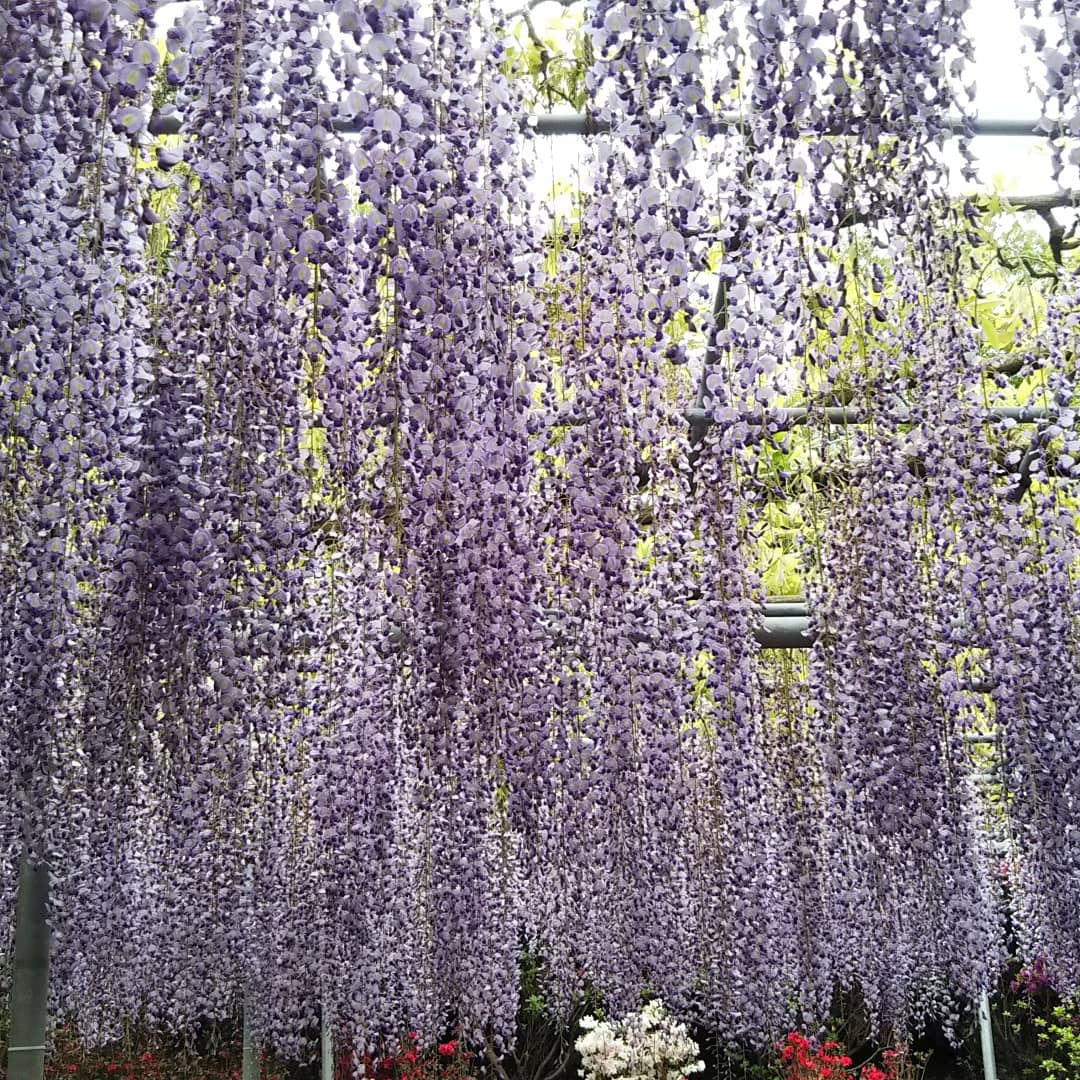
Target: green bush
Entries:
(1059, 1042)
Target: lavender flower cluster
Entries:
(365, 609)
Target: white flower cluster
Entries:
(647, 1045)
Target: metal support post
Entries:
(986, 1038)
(249, 1062)
(326, 1041)
(30, 975)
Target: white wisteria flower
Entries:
(646, 1045)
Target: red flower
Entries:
(447, 1048)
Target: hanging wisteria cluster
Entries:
(369, 613)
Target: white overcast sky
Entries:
(1014, 165)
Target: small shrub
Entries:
(1059, 1040)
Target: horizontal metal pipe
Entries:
(785, 624)
(785, 608)
(843, 414)
(1010, 128)
(567, 123)
(784, 632)
(584, 124)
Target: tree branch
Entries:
(1038, 203)
(494, 1062)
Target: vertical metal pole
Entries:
(986, 1038)
(326, 1038)
(249, 1062)
(30, 976)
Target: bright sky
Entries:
(1016, 165)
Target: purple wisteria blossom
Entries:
(369, 611)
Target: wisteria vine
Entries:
(369, 612)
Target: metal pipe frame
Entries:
(585, 125)
(846, 414)
(786, 624)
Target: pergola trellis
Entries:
(784, 625)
